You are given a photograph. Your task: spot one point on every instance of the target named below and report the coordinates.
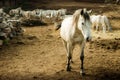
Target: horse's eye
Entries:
(82, 23)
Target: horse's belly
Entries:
(77, 40)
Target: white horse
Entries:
(16, 11)
(100, 21)
(76, 30)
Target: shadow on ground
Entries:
(99, 74)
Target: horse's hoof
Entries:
(68, 68)
(82, 73)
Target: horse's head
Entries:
(84, 24)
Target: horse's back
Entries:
(95, 18)
(67, 30)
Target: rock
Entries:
(3, 34)
(7, 30)
(99, 37)
(49, 36)
(20, 43)
(32, 37)
(108, 47)
(103, 44)
(117, 38)
(35, 77)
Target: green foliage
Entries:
(5, 41)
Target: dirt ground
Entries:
(40, 55)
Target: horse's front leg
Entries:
(69, 56)
(97, 28)
(82, 58)
(104, 28)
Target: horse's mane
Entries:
(77, 13)
(76, 16)
(86, 16)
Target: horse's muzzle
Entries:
(88, 39)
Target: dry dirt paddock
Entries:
(40, 55)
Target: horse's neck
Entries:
(75, 21)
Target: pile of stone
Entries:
(9, 28)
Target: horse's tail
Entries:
(76, 17)
(58, 26)
(107, 22)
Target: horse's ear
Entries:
(82, 12)
(89, 12)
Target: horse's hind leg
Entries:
(104, 28)
(109, 26)
(107, 22)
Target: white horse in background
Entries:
(76, 30)
(16, 11)
(100, 21)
